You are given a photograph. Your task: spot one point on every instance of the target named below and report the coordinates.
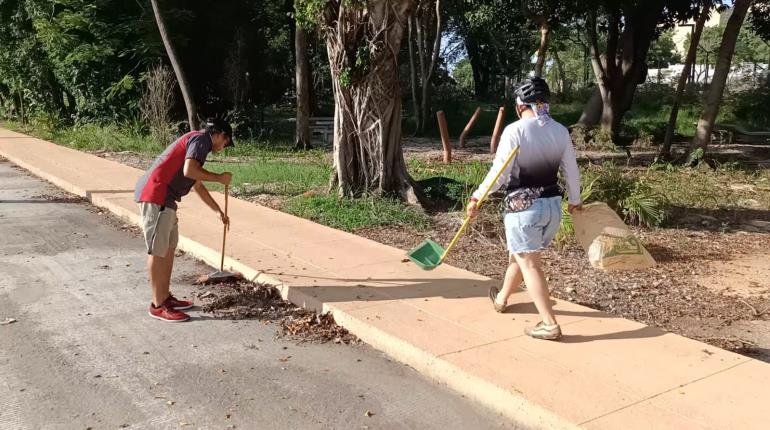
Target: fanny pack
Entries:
(522, 198)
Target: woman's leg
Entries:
(537, 286)
(512, 280)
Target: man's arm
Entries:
(193, 170)
(203, 193)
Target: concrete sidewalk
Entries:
(607, 372)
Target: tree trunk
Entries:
(543, 48)
(413, 78)
(479, 69)
(71, 103)
(302, 133)
(428, 73)
(368, 157)
(665, 150)
(561, 82)
(622, 67)
(592, 112)
(586, 66)
(722, 69)
(189, 100)
(21, 106)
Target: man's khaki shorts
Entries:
(160, 227)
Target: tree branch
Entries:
(612, 43)
(593, 41)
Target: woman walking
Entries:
(533, 202)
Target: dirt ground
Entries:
(711, 284)
(687, 293)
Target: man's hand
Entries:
(225, 178)
(225, 219)
(472, 209)
(574, 208)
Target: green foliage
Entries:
(308, 12)
(749, 48)
(27, 84)
(751, 107)
(467, 176)
(663, 52)
(463, 75)
(696, 156)
(346, 77)
(352, 214)
(493, 52)
(712, 189)
(91, 48)
(632, 198)
(760, 18)
(89, 137)
(265, 175)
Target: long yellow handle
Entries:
(478, 204)
(224, 236)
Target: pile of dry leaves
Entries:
(241, 299)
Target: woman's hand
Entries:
(472, 208)
(574, 208)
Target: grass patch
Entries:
(705, 188)
(117, 138)
(90, 137)
(471, 173)
(279, 177)
(353, 214)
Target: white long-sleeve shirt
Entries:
(544, 150)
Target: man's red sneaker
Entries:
(177, 304)
(168, 314)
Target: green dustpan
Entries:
(427, 255)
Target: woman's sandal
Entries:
(493, 291)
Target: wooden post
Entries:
(498, 130)
(444, 136)
(468, 127)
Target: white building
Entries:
(682, 30)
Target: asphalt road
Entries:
(84, 354)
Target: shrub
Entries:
(753, 106)
(631, 197)
(157, 101)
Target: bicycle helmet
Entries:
(533, 90)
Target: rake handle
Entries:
(481, 200)
(224, 235)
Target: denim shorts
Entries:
(534, 228)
